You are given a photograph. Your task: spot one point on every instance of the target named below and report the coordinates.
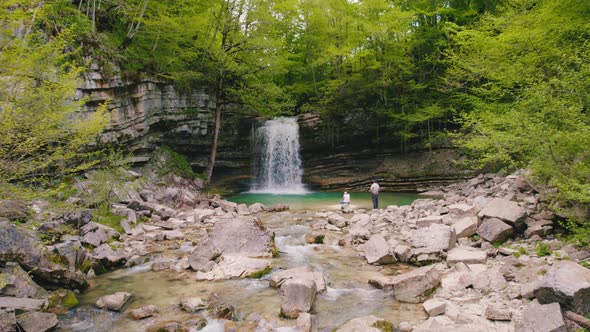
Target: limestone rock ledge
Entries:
(147, 113)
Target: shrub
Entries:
(543, 249)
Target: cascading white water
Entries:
(278, 163)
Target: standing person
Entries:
(346, 199)
(375, 194)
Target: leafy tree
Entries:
(241, 49)
(524, 92)
(43, 133)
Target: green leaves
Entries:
(524, 92)
(43, 132)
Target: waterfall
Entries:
(277, 161)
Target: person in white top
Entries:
(375, 194)
(346, 199)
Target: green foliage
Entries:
(543, 249)
(520, 251)
(107, 218)
(105, 184)
(42, 132)
(58, 259)
(402, 73)
(62, 297)
(523, 95)
(383, 326)
(168, 161)
(261, 273)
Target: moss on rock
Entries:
(383, 326)
(61, 301)
(261, 273)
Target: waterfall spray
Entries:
(278, 163)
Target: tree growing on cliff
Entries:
(240, 47)
(42, 132)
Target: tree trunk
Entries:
(218, 102)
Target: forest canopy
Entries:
(507, 81)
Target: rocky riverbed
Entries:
(478, 255)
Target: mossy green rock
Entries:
(61, 301)
(25, 248)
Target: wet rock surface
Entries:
(469, 259)
(37, 321)
(114, 302)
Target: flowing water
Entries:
(278, 180)
(348, 295)
(277, 165)
(324, 200)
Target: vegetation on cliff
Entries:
(509, 78)
(43, 134)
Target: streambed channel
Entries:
(348, 293)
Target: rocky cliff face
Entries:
(146, 114)
(351, 161)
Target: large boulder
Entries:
(108, 257)
(143, 312)
(505, 210)
(434, 238)
(300, 272)
(360, 226)
(232, 266)
(25, 248)
(95, 238)
(457, 281)
(72, 250)
(541, 318)
(466, 226)
(227, 205)
(462, 209)
(337, 220)
(567, 283)
(114, 302)
(76, 219)
(489, 281)
(412, 286)
(429, 220)
(245, 237)
(257, 208)
(37, 321)
(14, 281)
(366, 324)
(467, 255)
(192, 304)
(495, 230)
(297, 295)
(377, 251)
(16, 303)
(435, 307)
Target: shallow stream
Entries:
(324, 200)
(346, 272)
